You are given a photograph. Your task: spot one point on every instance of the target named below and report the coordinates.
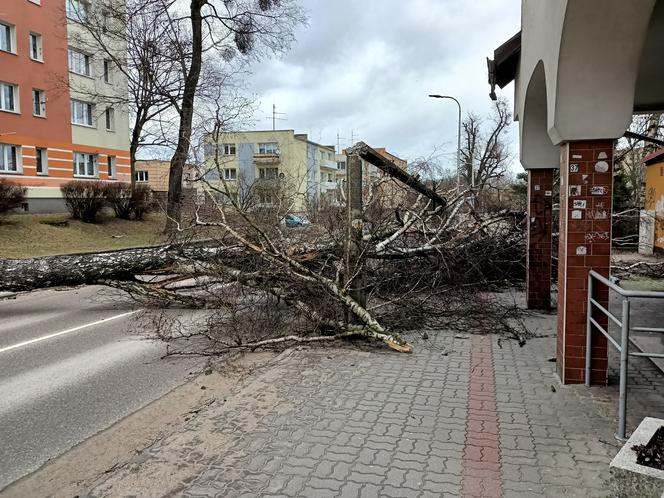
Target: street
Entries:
(72, 363)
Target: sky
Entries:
(364, 69)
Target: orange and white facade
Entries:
(51, 130)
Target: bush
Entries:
(142, 201)
(84, 200)
(127, 205)
(118, 196)
(12, 195)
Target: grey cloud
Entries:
(368, 66)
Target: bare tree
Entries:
(485, 153)
(222, 27)
(631, 152)
(130, 43)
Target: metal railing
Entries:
(625, 328)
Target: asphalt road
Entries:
(72, 363)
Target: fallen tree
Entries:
(427, 259)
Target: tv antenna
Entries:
(275, 117)
(339, 139)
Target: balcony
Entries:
(327, 164)
(327, 186)
(264, 159)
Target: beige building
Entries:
(273, 166)
(156, 172)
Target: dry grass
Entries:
(27, 235)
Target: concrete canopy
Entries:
(585, 66)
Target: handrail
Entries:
(623, 345)
(624, 292)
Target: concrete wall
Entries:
(580, 60)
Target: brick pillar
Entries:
(538, 262)
(586, 184)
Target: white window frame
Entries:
(109, 119)
(10, 46)
(230, 174)
(6, 154)
(74, 10)
(268, 148)
(229, 149)
(76, 59)
(41, 94)
(15, 97)
(87, 110)
(44, 161)
(142, 177)
(85, 160)
(111, 162)
(39, 54)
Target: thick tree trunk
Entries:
(174, 208)
(21, 275)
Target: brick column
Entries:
(538, 262)
(586, 184)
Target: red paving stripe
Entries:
(481, 456)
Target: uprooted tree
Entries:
(421, 259)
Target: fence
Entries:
(625, 329)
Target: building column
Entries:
(586, 185)
(538, 261)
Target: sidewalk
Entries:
(462, 416)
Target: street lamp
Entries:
(436, 96)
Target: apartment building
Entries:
(256, 162)
(63, 112)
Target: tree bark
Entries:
(174, 204)
(22, 275)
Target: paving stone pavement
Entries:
(462, 416)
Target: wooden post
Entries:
(354, 270)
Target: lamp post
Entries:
(436, 96)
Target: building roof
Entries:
(655, 157)
(503, 67)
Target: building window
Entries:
(268, 173)
(41, 159)
(79, 62)
(10, 158)
(230, 174)
(105, 18)
(112, 170)
(8, 97)
(109, 116)
(38, 103)
(81, 113)
(77, 10)
(229, 149)
(268, 148)
(36, 49)
(142, 176)
(85, 164)
(341, 165)
(108, 65)
(7, 38)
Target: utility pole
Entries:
(436, 96)
(354, 270)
